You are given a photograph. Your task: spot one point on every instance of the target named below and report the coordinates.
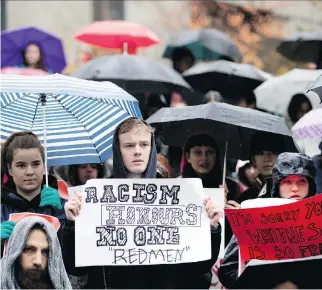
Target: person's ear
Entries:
(187, 156)
(9, 169)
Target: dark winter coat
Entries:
(188, 275)
(12, 202)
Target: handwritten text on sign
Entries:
(144, 221)
(279, 232)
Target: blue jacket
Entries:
(12, 202)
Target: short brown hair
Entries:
(132, 123)
(19, 140)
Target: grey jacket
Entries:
(16, 245)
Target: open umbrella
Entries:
(276, 93)
(23, 71)
(226, 123)
(317, 86)
(16, 40)
(303, 46)
(117, 34)
(309, 126)
(135, 74)
(205, 44)
(231, 79)
(74, 118)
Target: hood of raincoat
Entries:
(293, 164)
(119, 170)
(17, 242)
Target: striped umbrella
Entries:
(309, 126)
(80, 115)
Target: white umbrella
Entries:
(276, 93)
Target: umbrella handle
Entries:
(43, 102)
(225, 164)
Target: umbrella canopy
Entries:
(16, 40)
(23, 71)
(309, 126)
(135, 74)
(224, 122)
(80, 115)
(205, 44)
(116, 33)
(303, 46)
(231, 79)
(276, 93)
(317, 86)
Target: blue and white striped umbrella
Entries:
(80, 115)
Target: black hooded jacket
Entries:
(286, 164)
(188, 275)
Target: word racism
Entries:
(279, 232)
(153, 213)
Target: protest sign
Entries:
(142, 222)
(16, 217)
(218, 197)
(282, 232)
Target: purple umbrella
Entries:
(15, 41)
(309, 126)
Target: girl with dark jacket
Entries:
(293, 178)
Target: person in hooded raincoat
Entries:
(134, 140)
(23, 157)
(293, 177)
(33, 259)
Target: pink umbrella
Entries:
(23, 71)
(309, 126)
(118, 34)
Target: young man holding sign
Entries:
(293, 178)
(135, 157)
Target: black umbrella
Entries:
(135, 74)
(205, 44)
(226, 123)
(304, 273)
(303, 46)
(317, 87)
(232, 80)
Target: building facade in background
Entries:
(65, 18)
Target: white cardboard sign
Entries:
(142, 222)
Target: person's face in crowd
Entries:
(294, 187)
(27, 169)
(265, 161)
(135, 147)
(32, 54)
(184, 64)
(251, 174)
(202, 159)
(242, 103)
(304, 109)
(86, 172)
(33, 261)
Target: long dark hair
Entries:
(73, 173)
(214, 178)
(295, 105)
(40, 63)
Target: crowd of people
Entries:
(37, 256)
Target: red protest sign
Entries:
(278, 232)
